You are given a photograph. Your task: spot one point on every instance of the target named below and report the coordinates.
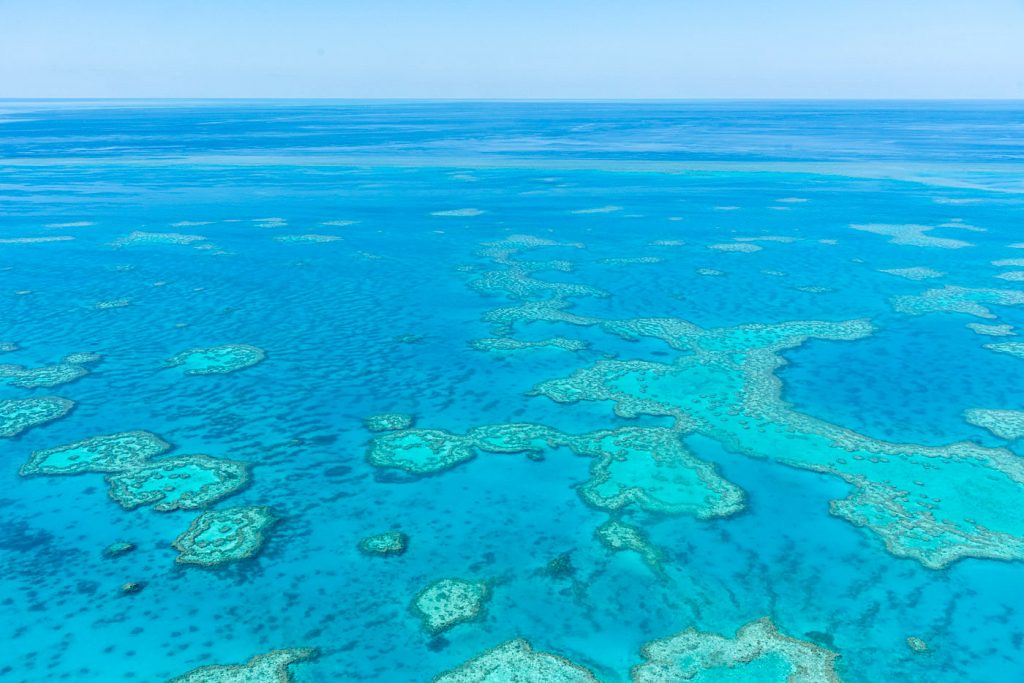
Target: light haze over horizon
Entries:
(522, 49)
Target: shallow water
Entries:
(382, 320)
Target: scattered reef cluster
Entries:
(758, 652)
(182, 482)
(933, 504)
(723, 385)
(136, 476)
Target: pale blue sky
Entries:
(513, 48)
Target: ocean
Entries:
(511, 391)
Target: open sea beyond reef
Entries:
(493, 392)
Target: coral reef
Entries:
(272, 667)
(140, 237)
(651, 470)
(952, 299)
(517, 661)
(913, 235)
(183, 482)
(448, 602)
(758, 652)
(915, 273)
(387, 543)
(47, 376)
(741, 247)
(388, 422)
(217, 360)
(420, 451)
(991, 330)
(221, 536)
(1012, 348)
(118, 548)
(1006, 424)
(82, 358)
(917, 645)
(110, 453)
(618, 536)
(509, 344)
(725, 388)
(21, 414)
(308, 238)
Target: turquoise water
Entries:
(352, 255)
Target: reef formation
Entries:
(184, 482)
(217, 360)
(384, 544)
(447, 603)
(18, 415)
(272, 667)
(758, 652)
(516, 660)
(218, 537)
(723, 385)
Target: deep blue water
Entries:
(331, 317)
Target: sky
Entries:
(519, 49)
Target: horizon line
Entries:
(509, 99)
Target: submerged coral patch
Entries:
(308, 238)
(217, 360)
(912, 235)
(1013, 348)
(20, 414)
(740, 247)
(111, 303)
(36, 240)
(758, 652)
(183, 482)
(617, 536)
(447, 603)
(499, 344)
(388, 422)
(458, 213)
(952, 299)
(915, 273)
(387, 543)
(139, 237)
(991, 330)
(1012, 276)
(517, 662)
(221, 536)
(82, 358)
(118, 548)
(272, 667)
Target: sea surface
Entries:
(723, 371)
